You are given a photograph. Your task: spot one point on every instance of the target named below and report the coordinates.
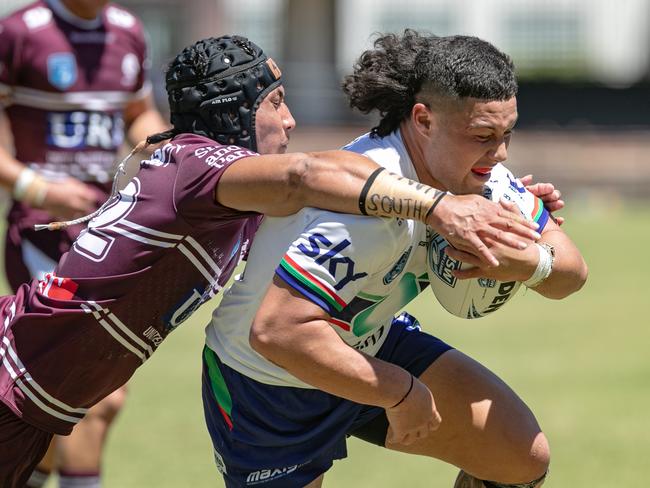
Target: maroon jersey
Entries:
(157, 251)
(64, 82)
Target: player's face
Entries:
(466, 141)
(273, 122)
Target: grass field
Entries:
(582, 364)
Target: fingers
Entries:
(468, 273)
(463, 256)
(526, 180)
(483, 257)
(554, 206)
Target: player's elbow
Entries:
(262, 338)
(577, 279)
(297, 178)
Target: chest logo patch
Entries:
(398, 268)
(61, 70)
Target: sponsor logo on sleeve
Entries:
(326, 254)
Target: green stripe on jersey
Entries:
(218, 383)
(312, 286)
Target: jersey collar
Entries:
(62, 11)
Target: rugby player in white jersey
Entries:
(305, 348)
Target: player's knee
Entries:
(532, 463)
(109, 407)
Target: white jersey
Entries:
(361, 270)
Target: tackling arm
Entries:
(343, 181)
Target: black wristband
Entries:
(405, 394)
(435, 204)
(366, 188)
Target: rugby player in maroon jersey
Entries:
(73, 76)
(173, 236)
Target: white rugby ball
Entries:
(475, 298)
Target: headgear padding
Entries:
(215, 86)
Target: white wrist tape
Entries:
(544, 267)
(24, 180)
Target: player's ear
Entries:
(422, 119)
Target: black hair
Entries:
(390, 77)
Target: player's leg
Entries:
(44, 469)
(79, 455)
(317, 483)
(21, 447)
(271, 436)
(486, 429)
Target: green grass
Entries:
(582, 365)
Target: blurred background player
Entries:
(73, 80)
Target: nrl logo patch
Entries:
(398, 268)
(62, 70)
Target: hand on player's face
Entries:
(273, 122)
(466, 141)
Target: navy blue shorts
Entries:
(283, 436)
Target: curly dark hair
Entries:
(389, 77)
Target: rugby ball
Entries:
(475, 298)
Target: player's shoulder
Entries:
(201, 149)
(120, 19)
(31, 17)
(387, 151)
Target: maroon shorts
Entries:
(22, 446)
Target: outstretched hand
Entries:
(469, 222)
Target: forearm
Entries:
(10, 169)
(283, 184)
(315, 354)
(569, 272)
(358, 185)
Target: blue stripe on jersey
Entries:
(303, 290)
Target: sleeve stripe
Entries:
(540, 214)
(284, 275)
(299, 274)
